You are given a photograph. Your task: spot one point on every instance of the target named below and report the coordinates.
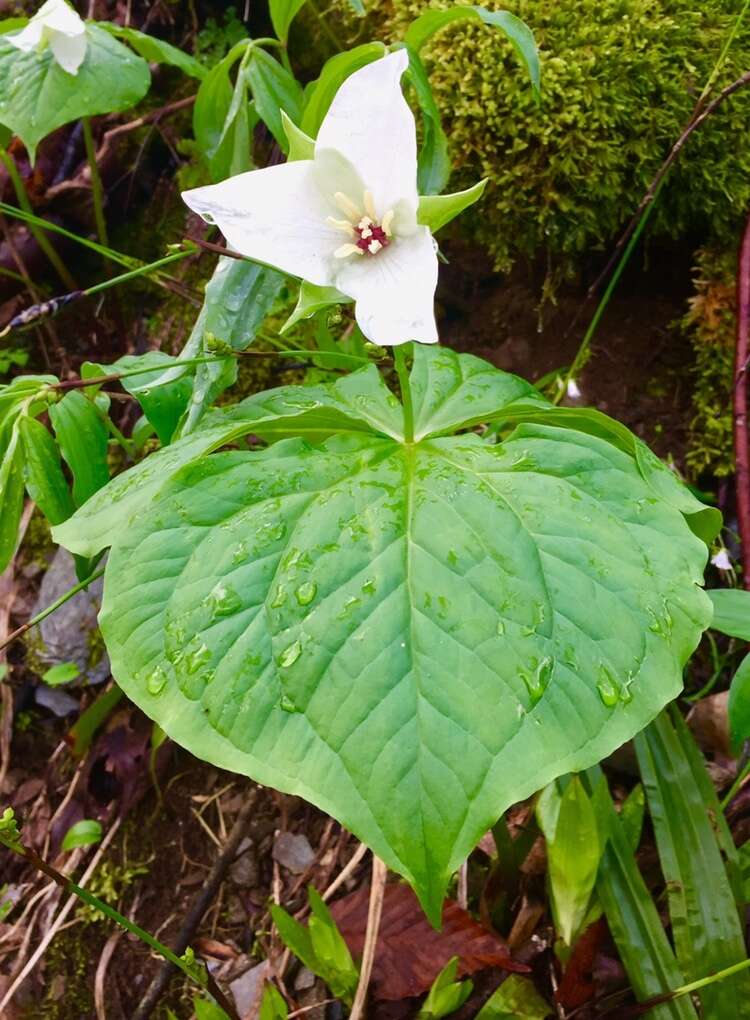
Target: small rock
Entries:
(70, 633)
(244, 869)
(293, 851)
(57, 701)
(305, 979)
(247, 990)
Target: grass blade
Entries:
(705, 922)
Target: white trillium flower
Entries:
(56, 24)
(721, 560)
(348, 217)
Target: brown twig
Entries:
(83, 179)
(199, 906)
(700, 114)
(377, 892)
(218, 249)
(741, 441)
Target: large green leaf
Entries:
(411, 635)
(731, 611)
(274, 89)
(37, 96)
(83, 440)
(11, 496)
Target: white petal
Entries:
(371, 124)
(68, 50)
(721, 560)
(60, 17)
(28, 38)
(394, 290)
(276, 216)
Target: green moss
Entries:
(620, 79)
(709, 325)
(67, 967)
(110, 882)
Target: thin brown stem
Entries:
(741, 440)
(374, 913)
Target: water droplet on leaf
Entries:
(290, 655)
(306, 593)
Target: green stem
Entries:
(325, 27)
(399, 355)
(741, 777)
(97, 189)
(140, 271)
(720, 975)
(204, 983)
(584, 351)
(53, 607)
(725, 50)
(41, 239)
(31, 218)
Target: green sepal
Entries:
(313, 299)
(301, 146)
(436, 210)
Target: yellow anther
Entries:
(344, 225)
(346, 250)
(374, 246)
(386, 223)
(370, 205)
(346, 205)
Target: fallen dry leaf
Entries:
(410, 953)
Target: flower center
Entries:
(367, 234)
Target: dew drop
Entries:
(608, 687)
(279, 598)
(197, 659)
(157, 681)
(290, 655)
(225, 600)
(306, 593)
(500, 627)
(286, 704)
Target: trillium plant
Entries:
(413, 592)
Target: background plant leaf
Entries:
(37, 96)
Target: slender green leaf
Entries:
(82, 733)
(515, 999)
(83, 439)
(705, 923)
(446, 994)
(433, 162)
(45, 481)
(295, 936)
(156, 51)
(272, 1006)
(11, 497)
(437, 210)
(37, 96)
(519, 34)
(739, 704)
(83, 833)
(332, 952)
(163, 395)
(574, 850)
(635, 923)
(207, 1009)
(731, 611)
(323, 608)
(319, 95)
(274, 89)
(283, 13)
(223, 118)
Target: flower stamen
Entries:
(346, 205)
(368, 237)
